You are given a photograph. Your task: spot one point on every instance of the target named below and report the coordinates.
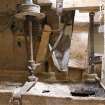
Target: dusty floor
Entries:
(55, 89)
(64, 90)
(53, 94)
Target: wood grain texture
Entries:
(87, 5)
(43, 47)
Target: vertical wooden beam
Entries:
(91, 43)
(43, 47)
(103, 60)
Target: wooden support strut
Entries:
(91, 42)
(43, 47)
(16, 98)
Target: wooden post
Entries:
(91, 43)
(103, 60)
(43, 47)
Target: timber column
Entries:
(91, 43)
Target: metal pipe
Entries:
(28, 1)
(31, 40)
(31, 66)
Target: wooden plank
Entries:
(88, 5)
(103, 59)
(26, 87)
(44, 2)
(16, 98)
(43, 47)
(9, 74)
(79, 44)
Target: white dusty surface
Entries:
(63, 90)
(56, 90)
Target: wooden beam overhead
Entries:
(86, 5)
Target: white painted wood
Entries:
(74, 4)
(103, 62)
